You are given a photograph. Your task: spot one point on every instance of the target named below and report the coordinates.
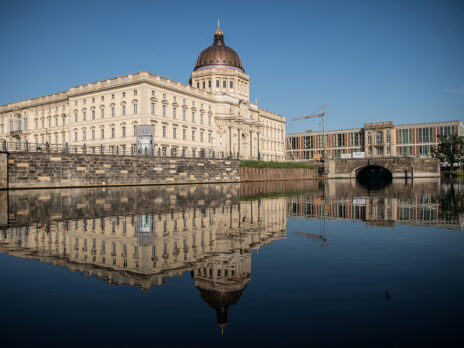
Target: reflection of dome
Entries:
(221, 300)
(218, 55)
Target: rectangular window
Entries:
(201, 118)
(123, 131)
(209, 120)
(113, 113)
(308, 142)
(231, 84)
(56, 122)
(75, 117)
(93, 134)
(75, 135)
(184, 133)
(184, 115)
(425, 135)
(152, 108)
(193, 134)
(217, 83)
(112, 96)
(174, 132)
(124, 110)
(84, 115)
(123, 94)
(405, 136)
(209, 83)
(135, 108)
(135, 92)
(102, 113)
(174, 112)
(164, 110)
(84, 135)
(102, 133)
(193, 116)
(224, 84)
(164, 131)
(201, 136)
(204, 85)
(210, 138)
(93, 114)
(112, 132)
(49, 122)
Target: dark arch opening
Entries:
(374, 176)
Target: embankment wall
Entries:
(36, 170)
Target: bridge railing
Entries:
(114, 150)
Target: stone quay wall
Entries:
(274, 174)
(36, 170)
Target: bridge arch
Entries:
(373, 175)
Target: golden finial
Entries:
(219, 31)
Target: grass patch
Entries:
(448, 174)
(271, 164)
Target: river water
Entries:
(266, 264)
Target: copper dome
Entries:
(218, 55)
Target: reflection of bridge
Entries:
(399, 167)
(416, 203)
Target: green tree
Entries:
(450, 149)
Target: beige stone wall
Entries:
(105, 112)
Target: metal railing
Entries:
(115, 150)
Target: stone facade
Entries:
(400, 167)
(3, 171)
(29, 170)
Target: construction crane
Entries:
(313, 115)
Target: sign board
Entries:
(145, 135)
(317, 156)
(359, 154)
(345, 155)
(359, 201)
(144, 230)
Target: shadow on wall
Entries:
(374, 176)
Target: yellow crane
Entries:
(313, 115)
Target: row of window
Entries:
(193, 135)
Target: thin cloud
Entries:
(459, 90)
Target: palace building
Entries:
(374, 140)
(212, 113)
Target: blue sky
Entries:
(400, 61)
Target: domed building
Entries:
(213, 113)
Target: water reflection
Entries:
(143, 236)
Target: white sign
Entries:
(345, 155)
(359, 201)
(359, 154)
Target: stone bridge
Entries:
(399, 167)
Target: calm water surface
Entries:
(268, 264)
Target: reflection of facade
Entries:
(375, 140)
(213, 242)
(213, 112)
(415, 204)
